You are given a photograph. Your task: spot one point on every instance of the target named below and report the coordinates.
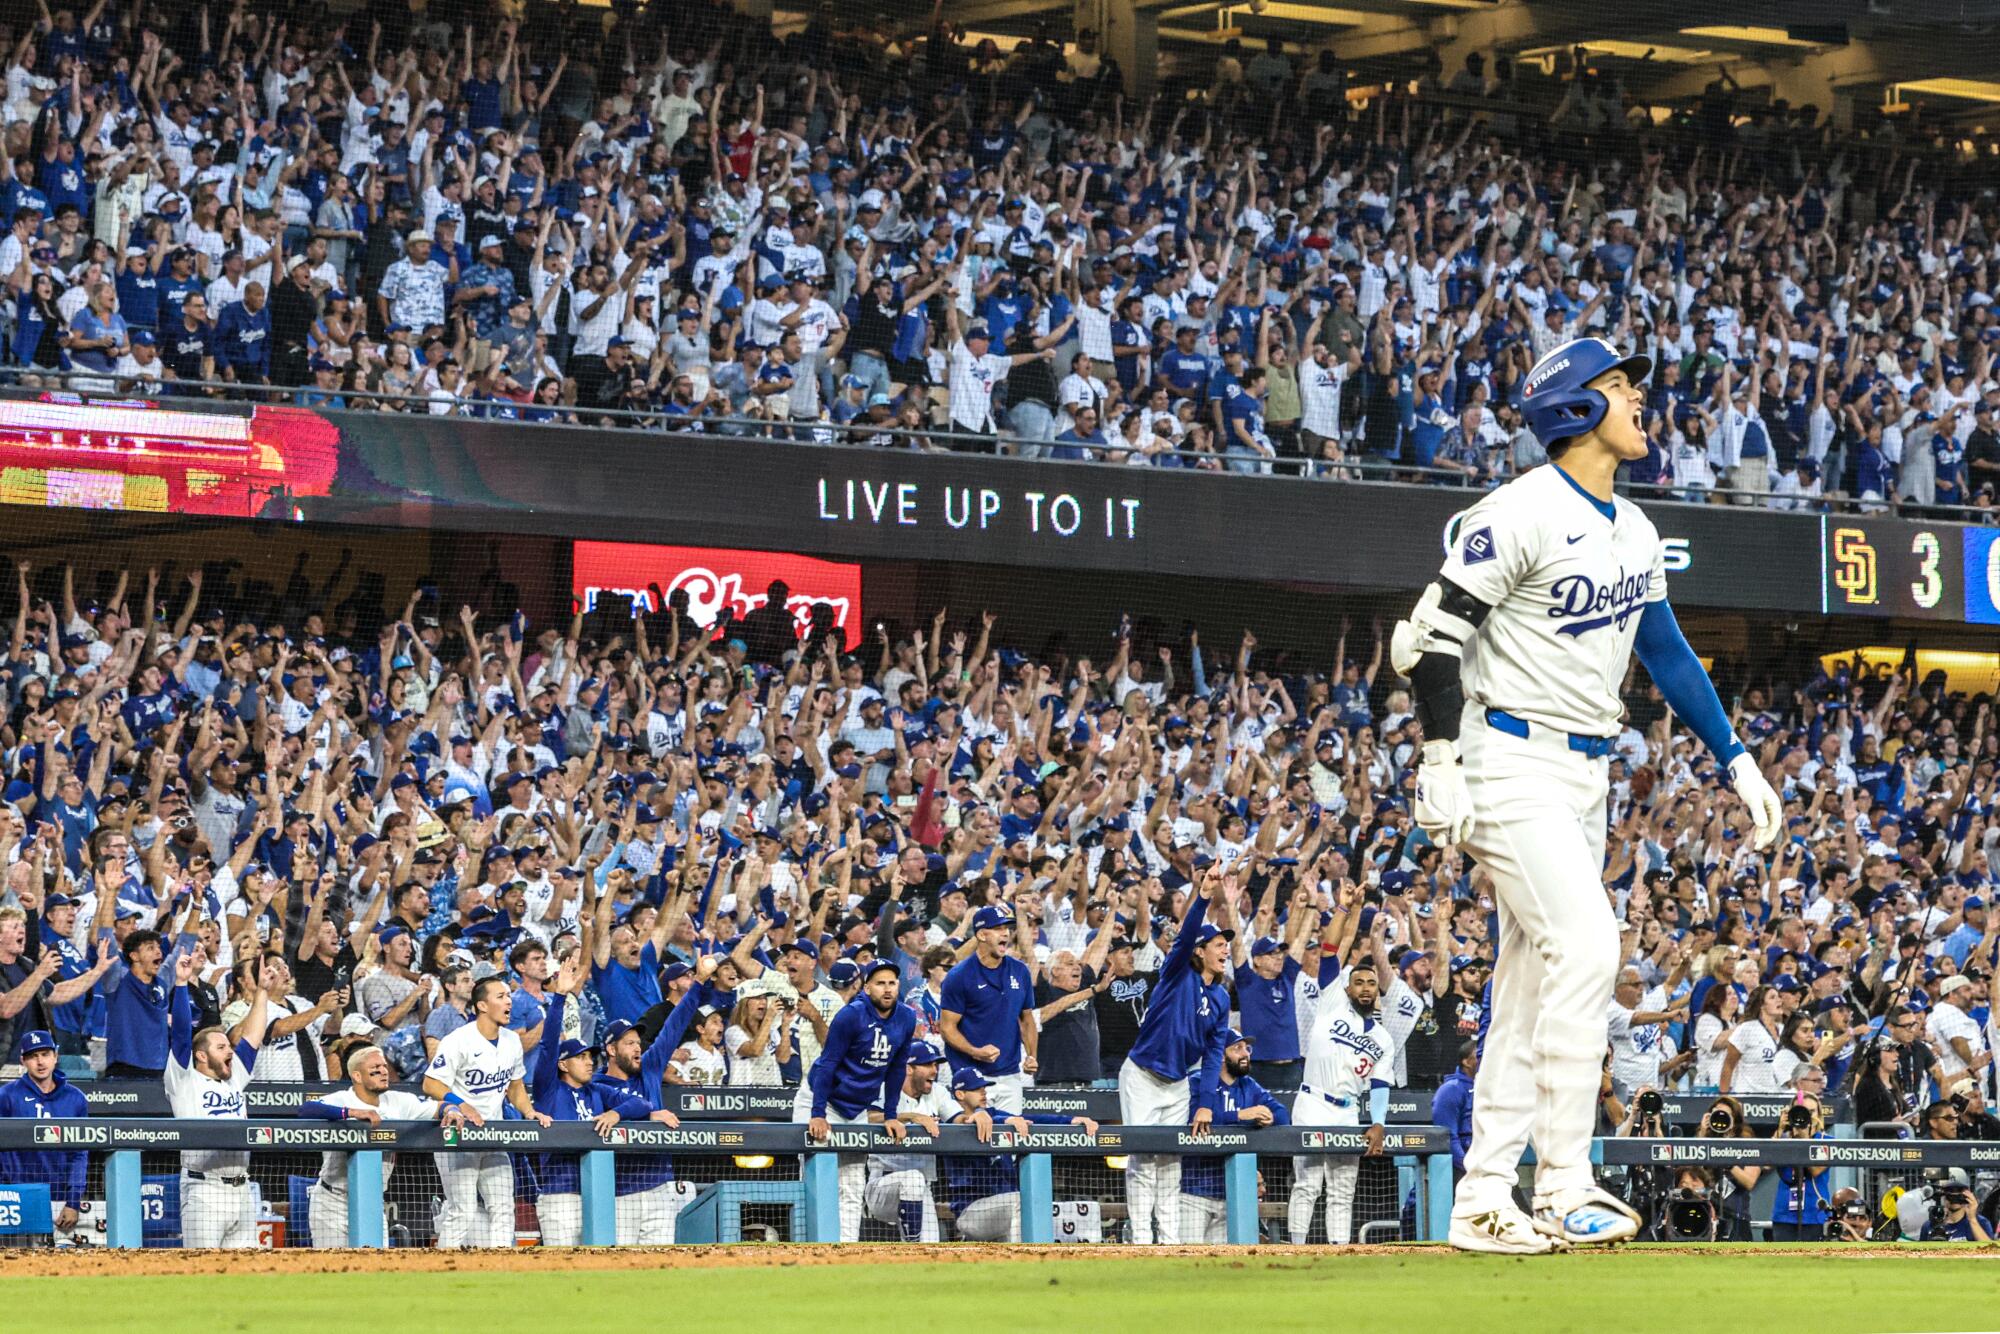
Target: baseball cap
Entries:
(992, 915)
(572, 1047)
(1209, 931)
(617, 1029)
(673, 972)
(878, 966)
(37, 1039)
(1953, 983)
(965, 1079)
(1230, 1037)
(1266, 945)
(843, 973)
(418, 235)
(925, 1053)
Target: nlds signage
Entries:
(717, 581)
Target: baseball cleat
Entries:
(1502, 1231)
(1586, 1216)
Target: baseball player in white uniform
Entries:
(1516, 654)
(205, 1077)
(899, 1184)
(367, 1098)
(478, 1069)
(1348, 1052)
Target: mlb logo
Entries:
(1314, 1139)
(1819, 1153)
(1478, 546)
(1663, 1153)
(48, 1134)
(694, 1102)
(261, 1135)
(1004, 1139)
(618, 1135)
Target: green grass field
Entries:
(1634, 1289)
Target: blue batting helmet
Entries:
(1555, 400)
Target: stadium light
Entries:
(1739, 33)
(1653, 51)
(1116, 1162)
(754, 1162)
(1970, 90)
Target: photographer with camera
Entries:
(1851, 1220)
(1729, 1188)
(1941, 1209)
(1800, 1209)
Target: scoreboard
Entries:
(1922, 571)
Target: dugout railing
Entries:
(120, 1148)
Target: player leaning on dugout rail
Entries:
(1517, 651)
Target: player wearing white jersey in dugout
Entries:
(1516, 653)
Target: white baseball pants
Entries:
(888, 1193)
(853, 1171)
(217, 1216)
(1316, 1175)
(1539, 830)
(561, 1217)
(1206, 1221)
(329, 1218)
(650, 1217)
(1152, 1180)
(994, 1218)
(478, 1206)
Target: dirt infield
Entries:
(101, 1263)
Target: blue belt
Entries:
(1596, 747)
(1326, 1097)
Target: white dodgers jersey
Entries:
(479, 1069)
(1346, 1051)
(1566, 586)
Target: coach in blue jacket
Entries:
(42, 1093)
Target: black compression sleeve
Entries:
(1439, 695)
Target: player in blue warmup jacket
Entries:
(649, 1199)
(1181, 1033)
(861, 1065)
(43, 1093)
(565, 1089)
(987, 1005)
(984, 1191)
(1239, 1100)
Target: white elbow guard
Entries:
(1429, 629)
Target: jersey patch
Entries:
(1478, 546)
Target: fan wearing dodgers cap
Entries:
(43, 1093)
(1183, 1030)
(861, 1069)
(1548, 586)
(567, 1089)
(987, 1007)
(985, 1190)
(899, 1184)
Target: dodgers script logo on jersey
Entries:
(1588, 605)
(1369, 1049)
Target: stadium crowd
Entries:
(666, 216)
(339, 821)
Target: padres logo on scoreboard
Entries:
(1854, 567)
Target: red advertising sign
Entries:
(716, 579)
(156, 458)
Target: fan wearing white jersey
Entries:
(478, 1068)
(205, 1076)
(367, 1098)
(1516, 654)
